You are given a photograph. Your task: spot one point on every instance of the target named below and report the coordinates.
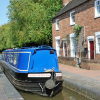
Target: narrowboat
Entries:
(33, 69)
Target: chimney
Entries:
(66, 1)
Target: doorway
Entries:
(64, 48)
(91, 49)
(73, 47)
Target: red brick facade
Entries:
(84, 16)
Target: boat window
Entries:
(7, 58)
(4, 56)
(11, 60)
(15, 59)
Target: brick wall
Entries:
(67, 60)
(90, 64)
(85, 16)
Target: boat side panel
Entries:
(22, 62)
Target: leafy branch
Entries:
(77, 29)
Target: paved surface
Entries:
(85, 82)
(7, 91)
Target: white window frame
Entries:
(71, 20)
(57, 45)
(57, 24)
(96, 12)
(97, 34)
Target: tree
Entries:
(5, 37)
(31, 20)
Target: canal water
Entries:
(65, 94)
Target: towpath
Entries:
(7, 91)
(85, 82)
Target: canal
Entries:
(65, 94)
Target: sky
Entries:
(3, 11)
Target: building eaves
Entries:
(69, 6)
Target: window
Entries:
(15, 59)
(4, 56)
(11, 60)
(57, 24)
(7, 58)
(58, 47)
(72, 18)
(97, 34)
(97, 8)
(98, 45)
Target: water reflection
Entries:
(65, 94)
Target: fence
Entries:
(75, 54)
(87, 59)
(67, 53)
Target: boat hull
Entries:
(34, 85)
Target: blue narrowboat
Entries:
(33, 69)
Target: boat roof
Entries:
(43, 47)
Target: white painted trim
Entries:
(71, 22)
(57, 27)
(64, 39)
(16, 52)
(72, 35)
(15, 67)
(57, 38)
(90, 38)
(29, 61)
(97, 34)
(96, 14)
(57, 50)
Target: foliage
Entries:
(5, 37)
(31, 21)
(77, 29)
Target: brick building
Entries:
(78, 12)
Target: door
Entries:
(91, 49)
(65, 49)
